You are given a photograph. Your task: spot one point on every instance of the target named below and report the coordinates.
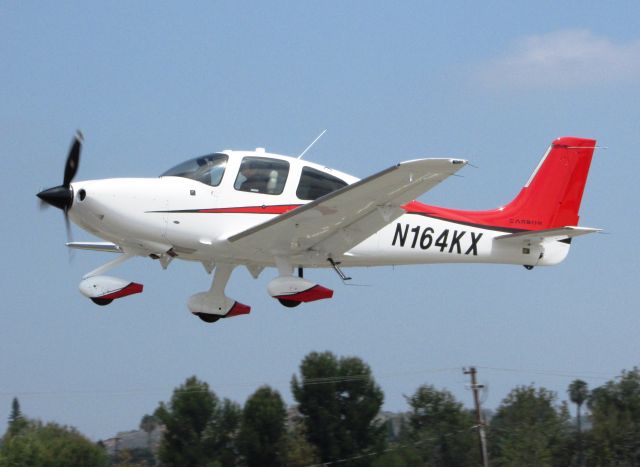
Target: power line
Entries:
(310, 381)
(558, 373)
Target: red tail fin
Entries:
(551, 198)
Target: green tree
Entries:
(578, 394)
(17, 422)
(405, 456)
(615, 417)
(338, 401)
(529, 429)
(148, 423)
(136, 457)
(50, 445)
(262, 436)
(299, 452)
(441, 428)
(222, 433)
(199, 430)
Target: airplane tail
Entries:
(552, 196)
(550, 199)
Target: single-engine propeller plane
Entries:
(261, 210)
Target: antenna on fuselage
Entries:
(312, 143)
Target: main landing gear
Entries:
(212, 305)
(290, 291)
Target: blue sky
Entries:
(152, 84)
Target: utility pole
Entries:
(476, 400)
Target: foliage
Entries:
(261, 440)
(148, 423)
(299, 452)
(400, 456)
(199, 430)
(615, 415)
(137, 457)
(529, 429)
(17, 422)
(338, 401)
(49, 445)
(440, 428)
(221, 434)
(578, 392)
(338, 404)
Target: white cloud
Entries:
(563, 59)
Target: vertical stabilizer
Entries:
(552, 196)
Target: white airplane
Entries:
(259, 210)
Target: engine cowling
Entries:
(102, 290)
(297, 289)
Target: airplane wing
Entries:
(338, 221)
(559, 233)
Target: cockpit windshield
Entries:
(206, 169)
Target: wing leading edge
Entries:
(336, 222)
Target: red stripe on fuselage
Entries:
(483, 219)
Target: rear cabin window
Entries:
(262, 175)
(205, 169)
(314, 184)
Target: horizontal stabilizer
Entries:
(550, 234)
(95, 246)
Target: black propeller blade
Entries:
(73, 159)
(62, 196)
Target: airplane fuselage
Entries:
(194, 220)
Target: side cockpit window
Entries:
(314, 184)
(205, 169)
(262, 175)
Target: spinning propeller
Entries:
(62, 196)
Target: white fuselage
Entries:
(150, 216)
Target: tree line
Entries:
(336, 421)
